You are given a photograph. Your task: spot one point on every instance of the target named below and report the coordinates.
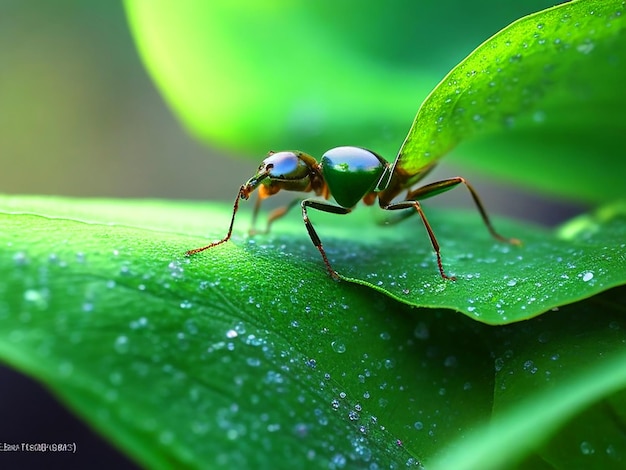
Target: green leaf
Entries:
(497, 283)
(236, 360)
(566, 371)
(540, 103)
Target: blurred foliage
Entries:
(311, 75)
(287, 75)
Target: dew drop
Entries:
(20, 258)
(66, 368)
(450, 361)
(588, 276)
(585, 48)
(586, 448)
(338, 347)
(539, 116)
(530, 366)
(36, 298)
(253, 361)
(141, 322)
(121, 344)
(338, 461)
(421, 331)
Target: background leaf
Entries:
(306, 75)
(238, 360)
(539, 102)
(564, 370)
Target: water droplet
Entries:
(421, 331)
(612, 452)
(166, 437)
(253, 361)
(231, 334)
(530, 366)
(186, 304)
(511, 282)
(418, 425)
(539, 116)
(139, 323)
(176, 270)
(121, 344)
(116, 378)
(338, 461)
(450, 361)
(338, 347)
(585, 48)
(66, 368)
(588, 276)
(586, 448)
(36, 298)
(20, 258)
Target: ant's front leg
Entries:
(325, 207)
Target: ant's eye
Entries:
(283, 165)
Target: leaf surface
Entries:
(235, 359)
(538, 103)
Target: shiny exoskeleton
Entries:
(348, 174)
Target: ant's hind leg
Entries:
(439, 187)
(403, 205)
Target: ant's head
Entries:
(282, 170)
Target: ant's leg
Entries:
(255, 213)
(273, 216)
(433, 240)
(228, 234)
(439, 187)
(325, 207)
